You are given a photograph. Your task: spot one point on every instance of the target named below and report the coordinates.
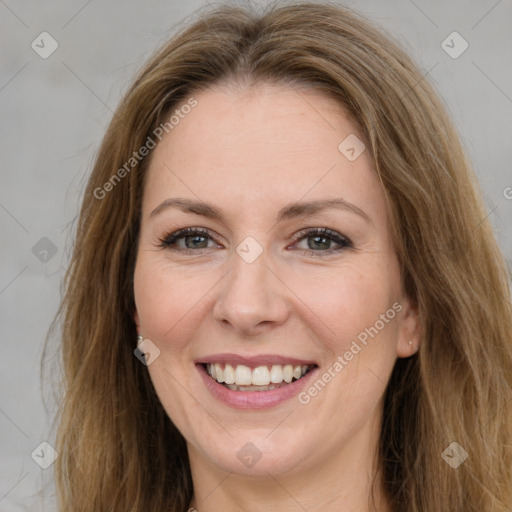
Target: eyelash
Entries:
(168, 241)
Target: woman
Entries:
(284, 290)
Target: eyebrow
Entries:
(290, 211)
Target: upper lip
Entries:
(253, 361)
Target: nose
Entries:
(252, 297)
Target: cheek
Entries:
(365, 320)
(341, 303)
(164, 302)
(165, 293)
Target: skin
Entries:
(251, 151)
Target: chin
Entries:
(256, 454)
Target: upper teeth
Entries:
(242, 375)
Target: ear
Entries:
(409, 330)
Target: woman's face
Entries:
(261, 297)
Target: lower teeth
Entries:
(234, 387)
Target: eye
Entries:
(194, 239)
(322, 239)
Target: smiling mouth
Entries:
(239, 377)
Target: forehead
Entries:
(266, 144)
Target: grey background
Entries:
(55, 111)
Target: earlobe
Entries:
(411, 349)
(409, 332)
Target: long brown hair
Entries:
(119, 450)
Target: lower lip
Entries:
(254, 399)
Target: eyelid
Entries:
(168, 240)
(311, 231)
(342, 240)
(175, 234)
